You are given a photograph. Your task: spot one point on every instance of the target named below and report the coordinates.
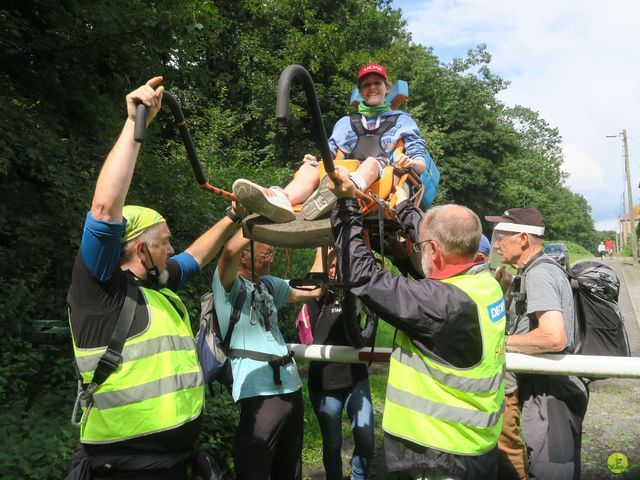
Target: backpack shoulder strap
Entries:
(571, 276)
(112, 356)
(269, 285)
(356, 124)
(235, 313)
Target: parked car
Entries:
(559, 252)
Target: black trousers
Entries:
(83, 466)
(268, 442)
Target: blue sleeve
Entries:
(189, 267)
(414, 144)
(281, 290)
(100, 246)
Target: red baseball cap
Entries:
(373, 68)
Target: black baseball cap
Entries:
(527, 220)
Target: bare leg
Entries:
(307, 179)
(305, 182)
(367, 173)
(322, 200)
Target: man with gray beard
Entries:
(140, 420)
(445, 393)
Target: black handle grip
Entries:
(141, 122)
(282, 108)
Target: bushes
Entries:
(219, 427)
(37, 443)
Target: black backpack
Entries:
(599, 325)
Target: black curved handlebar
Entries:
(172, 102)
(282, 108)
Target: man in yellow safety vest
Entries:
(142, 419)
(445, 394)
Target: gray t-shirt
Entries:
(547, 288)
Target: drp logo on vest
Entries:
(496, 311)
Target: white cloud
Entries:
(584, 171)
(609, 224)
(574, 61)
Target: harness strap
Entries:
(274, 361)
(357, 126)
(113, 355)
(111, 358)
(369, 142)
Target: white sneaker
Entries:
(276, 208)
(320, 202)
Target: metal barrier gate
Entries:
(556, 364)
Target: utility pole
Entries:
(632, 218)
(623, 225)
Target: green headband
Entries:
(138, 220)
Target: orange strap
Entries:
(286, 270)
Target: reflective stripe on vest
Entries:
(157, 387)
(456, 410)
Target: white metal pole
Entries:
(579, 365)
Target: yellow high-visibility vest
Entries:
(158, 385)
(456, 410)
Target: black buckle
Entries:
(111, 359)
(276, 364)
(106, 366)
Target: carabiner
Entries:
(84, 395)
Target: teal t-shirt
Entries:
(253, 378)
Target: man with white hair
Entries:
(143, 392)
(445, 393)
(541, 320)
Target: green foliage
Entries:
(626, 250)
(576, 250)
(37, 391)
(38, 445)
(312, 444)
(221, 418)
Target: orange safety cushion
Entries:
(382, 188)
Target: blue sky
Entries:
(573, 61)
